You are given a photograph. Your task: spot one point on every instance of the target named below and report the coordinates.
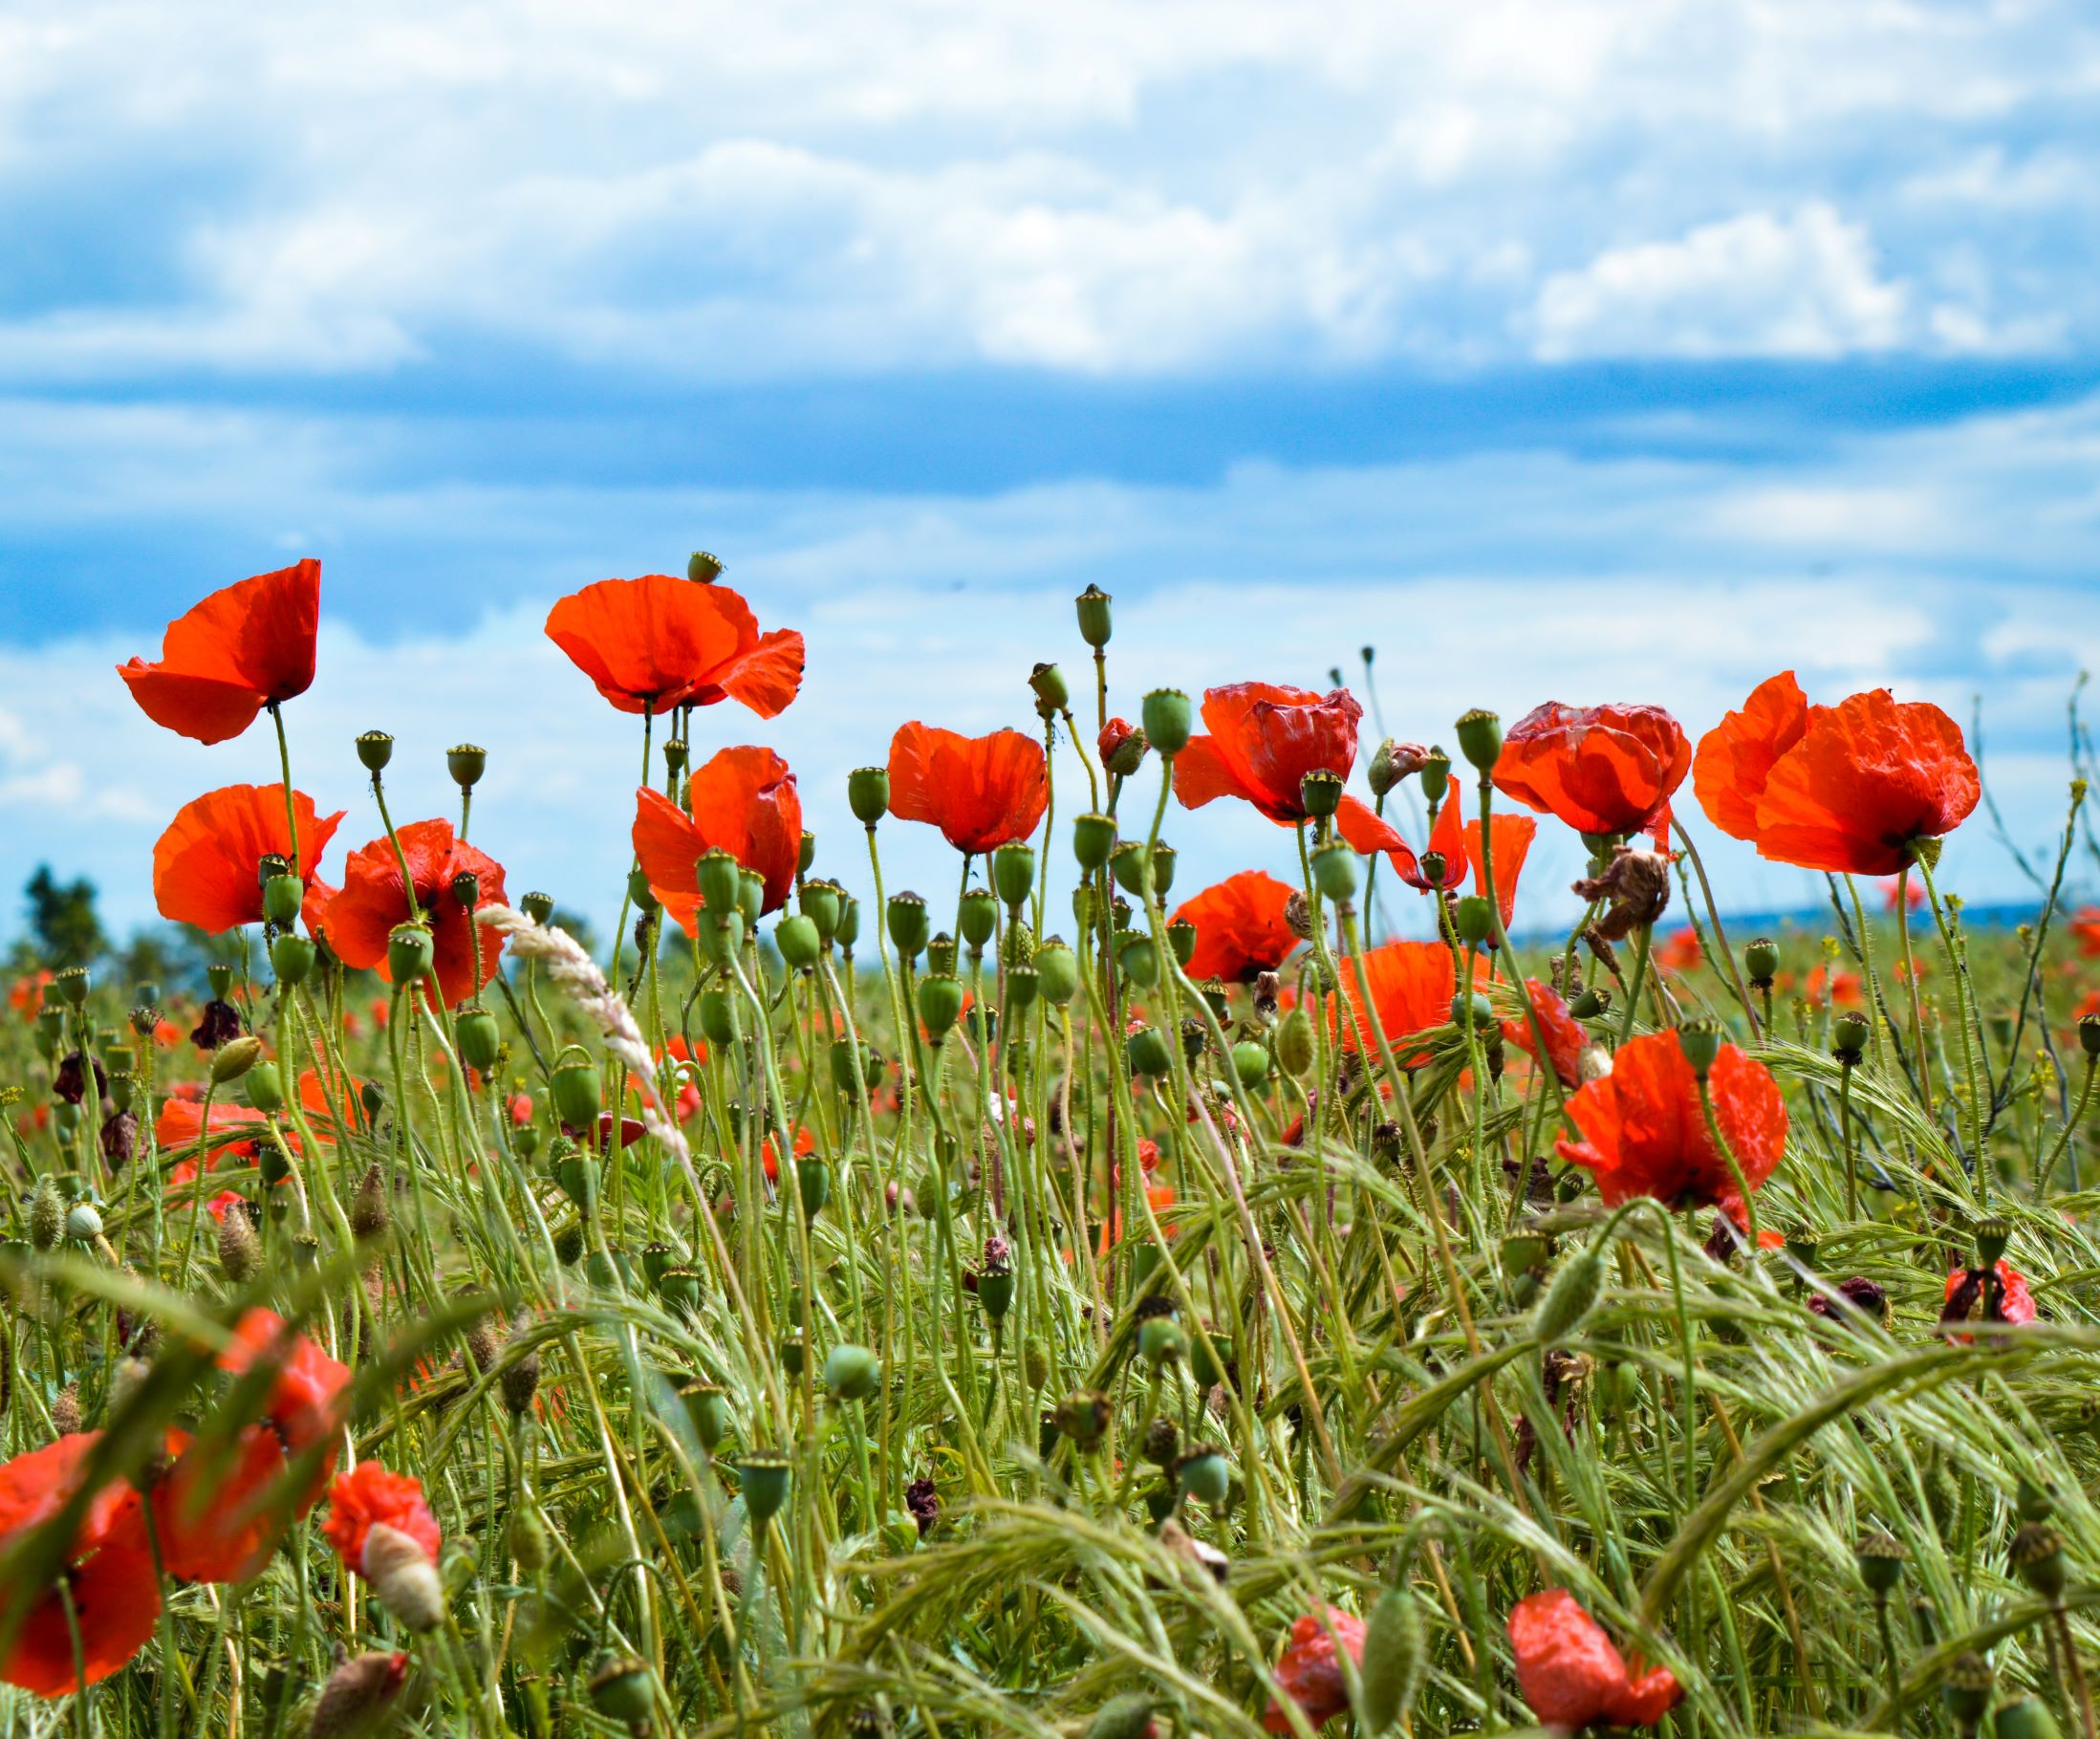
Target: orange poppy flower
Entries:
(115, 1594)
(1680, 951)
(309, 1396)
(1602, 770)
(981, 792)
(222, 1508)
(1264, 738)
(1566, 1036)
(1512, 842)
(1848, 789)
(247, 646)
(769, 1155)
(743, 801)
(1412, 985)
(368, 1496)
(27, 996)
(1240, 928)
(1571, 1674)
(1446, 840)
(2084, 927)
(1993, 1294)
(205, 864)
(657, 643)
(1310, 1671)
(1644, 1133)
(359, 919)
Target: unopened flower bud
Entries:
(47, 1215)
(370, 1213)
(235, 1058)
(358, 1696)
(403, 1579)
(240, 1250)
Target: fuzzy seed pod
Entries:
(1573, 1295)
(403, 1579)
(1295, 1042)
(482, 1345)
(1968, 1688)
(47, 1215)
(65, 1410)
(2037, 1558)
(1125, 1717)
(240, 1250)
(520, 1383)
(1880, 1558)
(359, 1697)
(1035, 1361)
(1161, 1442)
(1394, 1658)
(530, 1544)
(369, 1212)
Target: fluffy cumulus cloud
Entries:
(720, 190)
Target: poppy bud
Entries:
(805, 853)
(369, 1212)
(1160, 860)
(1761, 960)
(1320, 793)
(623, 1690)
(1169, 719)
(702, 569)
(1849, 1034)
(357, 1697)
(1474, 919)
(1394, 1658)
(2023, 1718)
(1479, 739)
(1991, 1235)
(852, 1373)
(812, 1184)
(908, 925)
(763, 1475)
(868, 794)
(1057, 971)
(1968, 1688)
(409, 951)
(1700, 1042)
(1035, 1361)
(751, 897)
(819, 902)
(639, 893)
(83, 1222)
(235, 1058)
(674, 755)
(292, 959)
(1205, 1474)
(240, 1250)
(479, 1040)
(403, 1579)
(578, 1091)
(1335, 872)
(848, 932)
(714, 1017)
(1148, 1051)
(940, 1005)
(1880, 1560)
(979, 916)
(265, 1087)
(799, 942)
(1295, 1042)
(2088, 1034)
(538, 907)
(1573, 1295)
(1051, 692)
(1094, 626)
(1125, 1717)
(375, 748)
(2037, 1558)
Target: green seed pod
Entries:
(1250, 1063)
(714, 1017)
(639, 891)
(819, 901)
(1475, 921)
(909, 927)
(1035, 1361)
(1022, 986)
(1093, 840)
(1204, 1351)
(264, 1087)
(282, 897)
(1052, 693)
(1125, 1717)
(1095, 626)
(979, 916)
(625, 1690)
(375, 748)
(2037, 1558)
(1880, 1558)
(868, 794)
(1014, 873)
(721, 935)
(481, 1041)
(720, 879)
(1163, 857)
(1083, 1417)
(1138, 959)
(1148, 1051)
(578, 1088)
(1205, 1474)
(1169, 719)
(1474, 1010)
(569, 1244)
(292, 959)
(465, 762)
(1587, 1004)
(805, 853)
(1129, 865)
(537, 907)
(2023, 1718)
(1700, 1042)
(1335, 872)
(799, 942)
(852, 1373)
(708, 1409)
(1294, 1043)
(2088, 1038)
(995, 1292)
(1394, 1659)
(702, 568)
(1968, 1688)
(812, 1184)
(750, 897)
(409, 952)
(1991, 1235)
(1761, 962)
(1320, 792)
(1572, 1297)
(1057, 971)
(941, 954)
(679, 1286)
(764, 1474)
(1181, 939)
(529, 1541)
(235, 1058)
(1160, 1341)
(940, 1006)
(1480, 740)
(1848, 1037)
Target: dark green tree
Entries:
(62, 917)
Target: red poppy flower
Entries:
(1999, 1294)
(245, 647)
(1240, 928)
(1571, 1674)
(743, 801)
(27, 996)
(368, 1496)
(1310, 1672)
(1680, 951)
(770, 1155)
(115, 1594)
(1848, 789)
(1113, 745)
(309, 1395)
(1446, 840)
(2086, 927)
(359, 920)
(980, 792)
(1512, 842)
(657, 643)
(1263, 739)
(220, 1508)
(1602, 770)
(205, 864)
(1645, 1134)
(1412, 983)
(1842, 986)
(1566, 1037)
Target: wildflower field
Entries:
(1066, 1300)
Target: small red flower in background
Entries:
(981, 792)
(743, 801)
(1566, 1038)
(116, 1594)
(1913, 894)
(1571, 1674)
(1262, 739)
(1848, 789)
(2086, 927)
(368, 1496)
(205, 864)
(26, 997)
(1841, 987)
(1680, 951)
(1602, 770)
(247, 646)
(1310, 1672)
(1241, 931)
(2089, 1004)
(309, 1393)
(1644, 1133)
(1996, 1295)
(657, 643)
(373, 902)
(1412, 985)
(1113, 742)
(770, 1155)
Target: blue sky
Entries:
(1628, 350)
